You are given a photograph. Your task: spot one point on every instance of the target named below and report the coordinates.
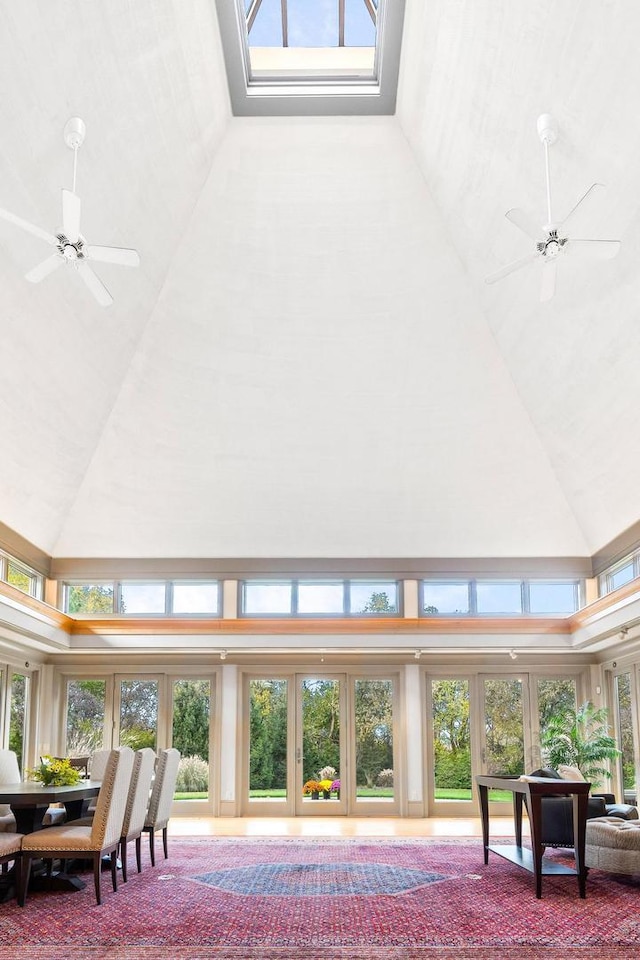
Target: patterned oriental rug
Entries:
(328, 899)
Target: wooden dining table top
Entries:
(31, 794)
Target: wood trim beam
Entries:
(43, 610)
(128, 626)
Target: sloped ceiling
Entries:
(308, 362)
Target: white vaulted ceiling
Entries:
(308, 362)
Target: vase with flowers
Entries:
(54, 772)
(335, 788)
(312, 787)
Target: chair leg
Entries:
(18, 873)
(152, 846)
(97, 868)
(123, 858)
(24, 879)
(139, 853)
(114, 869)
(164, 843)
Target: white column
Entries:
(230, 599)
(228, 739)
(413, 727)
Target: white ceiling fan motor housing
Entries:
(74, 133)
(548, 128)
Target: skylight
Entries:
(306, 57)
(312, 38)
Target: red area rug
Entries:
(240, 899)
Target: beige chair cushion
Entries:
(163, 789)
(138, 800)
(65, 837)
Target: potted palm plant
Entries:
(580, 738)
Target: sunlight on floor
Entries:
(337, 827)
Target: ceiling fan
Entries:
(71, 247)
(552, 239)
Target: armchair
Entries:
(557, 812)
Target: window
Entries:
(20, 576)
(89, 597)
(553, 597)
(338, 598)
(445, 598)
(138, 598)
(142, 598)
(304, 39)
(619, 574)
(85, 716)
(321, 598)
(306, 57)
(196, 598)
(499, 597)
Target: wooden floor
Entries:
(337, 827)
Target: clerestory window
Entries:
(311, 57)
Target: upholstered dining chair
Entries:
(137, 804)
(10, 849)
(98, 763)
(161, 799)
(92, 841)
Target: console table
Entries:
(533, 790)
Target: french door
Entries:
(320, 744)
(486, 724)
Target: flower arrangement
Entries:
(327, 773)
(54, 772)
(311, 786)
(325, 784)
(335, 786)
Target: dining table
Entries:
(29, 803)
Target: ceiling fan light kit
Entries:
(71, 247)
(552, 239)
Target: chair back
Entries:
(98, 764)
(9, 773)
(163, 789)
(138, 800)
(106, 827)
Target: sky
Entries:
(312, 23)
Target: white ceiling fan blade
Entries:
(593, 249)
(548, 288)
(70, 215)
(95, 285)
(29, 227)
(123, 256)
(511, 267)
(45, 268)
(525, 223)
(591, 192)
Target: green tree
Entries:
(268, 732)
(93, 598)
(374, 729)
(451, 733)
(321, 725)
(378, 603)
(191, 718)
(85, 716)
(138, 713)
(17, 715)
